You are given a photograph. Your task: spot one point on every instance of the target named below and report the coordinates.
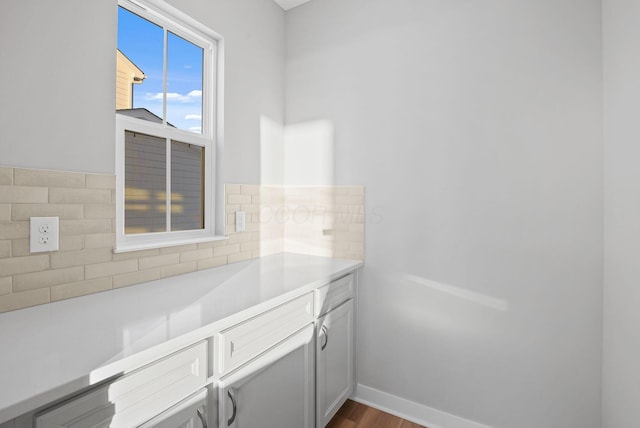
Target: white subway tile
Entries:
(64, 211)
(79, 258)
(213, 244)
(43, 178)
(232, 189)
(24, 195)
(239, 237)
(18, 265)
(226, 250)
(71, 243)
(5, 249)
(79, 196)
(25, 299)
(100, 270)
(99, 211)
(212, 262)
(100, 240)
(203, 253)
(6, 176)
(5, 285)
(249, 246)
(178, 248)
(238, 257)
(238, 199)
(100, 181)
(85, 227)
(47, 278)
(159, 261)
(20, 248)
(179, 269)
(249, 189)
(5, 212)
(138, 277)
(75, 289)
(356, 190)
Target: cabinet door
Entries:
(275, 390)
(189, 413)
(335, 361)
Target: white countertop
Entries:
(49, 351)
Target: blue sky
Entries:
(142, 42)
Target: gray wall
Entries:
(476, 129)
(621, 386)
(57, 81)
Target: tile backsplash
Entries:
(326, 221)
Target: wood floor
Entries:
(356, 415)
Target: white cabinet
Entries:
(135, 398)
(332, 295)
(189, 413)
(246, 340)
(275, 390)
(290, 366)
(335, 375)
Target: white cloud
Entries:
(193, 117)
(175, 96)
(196, 129)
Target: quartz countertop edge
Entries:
(54, 350)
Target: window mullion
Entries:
(164, 75)
(168, 185)
(165, 66)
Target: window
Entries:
(166, 127)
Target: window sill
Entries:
(151, 246)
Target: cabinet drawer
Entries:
(136, 397)
(248, 339)
(335, 293)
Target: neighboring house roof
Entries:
(142, 113)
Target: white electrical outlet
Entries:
(44, 234)
(240, 221)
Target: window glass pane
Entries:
(184, 84)
(145, 194)
(140, 67)
(187, 186)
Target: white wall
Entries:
(57, 81)
(476, 128)
(621, 381)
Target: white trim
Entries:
(211, 137)
(218, 217)
(411, 411)
(165, 244)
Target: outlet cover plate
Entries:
(44, 234)
(240, 221)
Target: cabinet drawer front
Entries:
(246, 340)
(335, 293)
(136, 397)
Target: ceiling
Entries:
(290, 4)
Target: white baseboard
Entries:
(409, 410)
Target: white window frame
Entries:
(211, 139)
